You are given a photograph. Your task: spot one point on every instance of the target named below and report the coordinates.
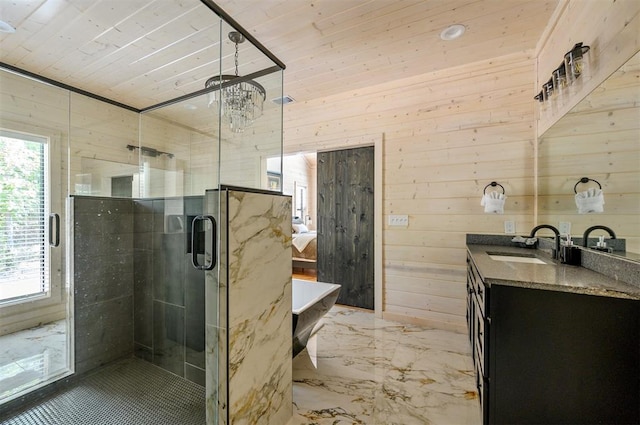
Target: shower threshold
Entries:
(128, 392)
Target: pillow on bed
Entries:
(300, 228)
(297, 220)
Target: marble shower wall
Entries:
(255, 280)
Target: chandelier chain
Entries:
(236, 59)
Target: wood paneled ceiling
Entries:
(142, 52)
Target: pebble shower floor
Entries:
(129, 392)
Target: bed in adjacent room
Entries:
(304, 247)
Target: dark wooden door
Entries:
(345, 223)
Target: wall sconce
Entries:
(559, 76)
(493, 202)
(146, 151)
(575, 62)
(591, 200)
(567, 74)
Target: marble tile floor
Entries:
(359, 369)
(32, 356)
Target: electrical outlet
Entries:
(564, 228)
(399, 220)
(510, 227)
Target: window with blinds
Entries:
(24, 251)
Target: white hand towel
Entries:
(590, 201)
(493, 202)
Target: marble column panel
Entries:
(249, 310)
(259, 310)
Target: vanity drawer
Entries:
(481, 343)
(472, 273)
(471, 318)
(480, 290)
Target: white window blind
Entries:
(24, 250)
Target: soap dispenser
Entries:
(601, 245)
(569, 253)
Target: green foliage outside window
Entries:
(21, 202)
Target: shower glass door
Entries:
(35, 330)
(171, 309)
(187, 149)
(243, 147)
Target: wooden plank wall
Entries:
(101, 132)
(192, 169)
(244, 155)
(447, 135)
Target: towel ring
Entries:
(494, 184)
(585, 180)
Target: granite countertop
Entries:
(552, 275)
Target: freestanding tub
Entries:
(311, 301)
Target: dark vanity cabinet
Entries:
(479, 328)
(547, 356)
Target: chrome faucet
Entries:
(556, 254)
(585, 236)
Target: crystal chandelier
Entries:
(242, 101)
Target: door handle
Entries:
(54, 240)
(214, 246)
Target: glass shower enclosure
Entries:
(188, 150)
(143, 190)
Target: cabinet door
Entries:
(558, 357)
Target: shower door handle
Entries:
(53, 217)
(194, 251)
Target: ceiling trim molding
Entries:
(228, 19)
(52, 82)
(225, 83)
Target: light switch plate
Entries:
(564, 228)
(510, 227)
(399, 220)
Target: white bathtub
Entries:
(311, 301)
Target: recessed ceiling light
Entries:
(5, 27)
(452, 32)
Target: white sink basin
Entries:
(516, 259)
